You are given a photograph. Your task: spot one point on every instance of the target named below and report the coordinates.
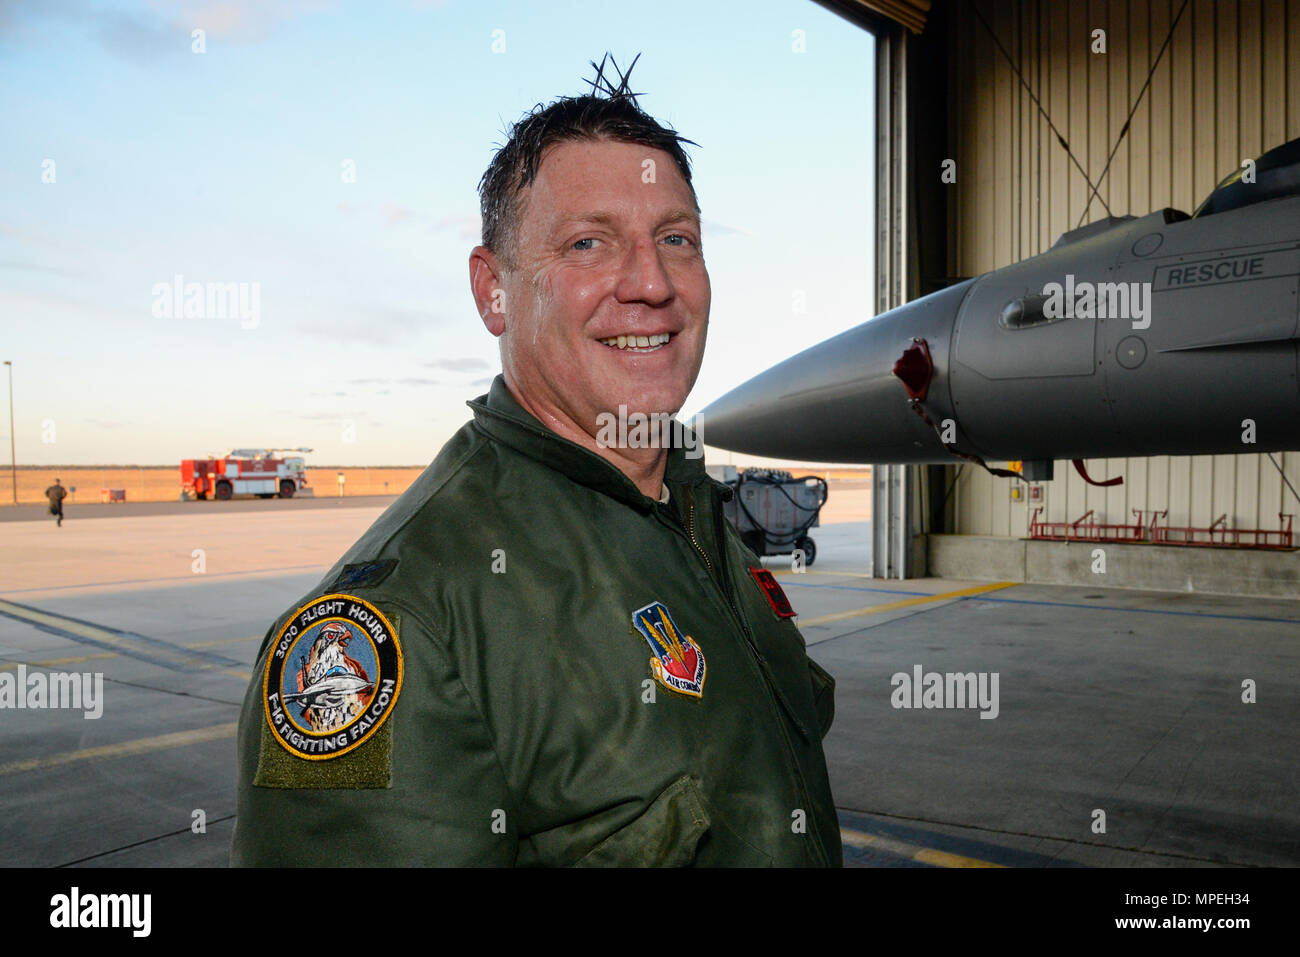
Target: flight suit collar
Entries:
(500, 416)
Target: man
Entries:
(56, 494)
(563, 653)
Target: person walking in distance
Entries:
(56, 493)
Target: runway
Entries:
(1113, 701)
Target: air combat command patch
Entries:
(678, 663)
(332, 677)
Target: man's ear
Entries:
(486, 284)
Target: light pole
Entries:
(13, 458)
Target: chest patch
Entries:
(678, 662)
(332, 677)
(773, 592)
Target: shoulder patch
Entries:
(773, 592)
(332, 677)
(364, 574)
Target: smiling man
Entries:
(553, 649)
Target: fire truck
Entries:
(265, 473)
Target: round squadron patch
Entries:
(332, 677)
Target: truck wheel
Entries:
(200, 495)
(809, 549)
(224, 491)
(287, 488)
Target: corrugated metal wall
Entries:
(1227, 88)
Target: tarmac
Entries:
(1118, 735)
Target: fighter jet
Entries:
(1164, 334)
(331, 691)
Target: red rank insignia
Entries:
(775, 596)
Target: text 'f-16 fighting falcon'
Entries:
(1153, 335)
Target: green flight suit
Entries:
(528, 729)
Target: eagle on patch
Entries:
(333, 687)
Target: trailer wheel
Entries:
(287, 488)
(809, 549)
(224, 491)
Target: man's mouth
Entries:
(638, 343)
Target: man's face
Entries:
(601, 254)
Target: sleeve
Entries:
(423, 789)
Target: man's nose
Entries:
(642, 277)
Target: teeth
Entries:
(637, 342)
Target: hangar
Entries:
(1002, 126)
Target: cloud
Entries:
(31, 238)
(105, 424)
(711, 227)
(36, 267)
(240, 21)
(139, 40)
(161, 30)
(459, 365)
(466, 226)
(395, 215)
(404, 380)
(370, 325)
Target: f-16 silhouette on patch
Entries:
(333, 688)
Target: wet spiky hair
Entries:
(609, 111)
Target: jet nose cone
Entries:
(730, 422)
(841, 400)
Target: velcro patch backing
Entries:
(369, 766)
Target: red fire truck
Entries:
(265, 473)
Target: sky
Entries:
(321, 159)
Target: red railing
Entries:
(1083, 530)
(1217, 535)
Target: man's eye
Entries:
(579, 244)
(684, 239)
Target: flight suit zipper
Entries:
(739, 618)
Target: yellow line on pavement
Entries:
(58, 621)
(789, 571)
(53, 662)
(224, 641)
(93, 632)
(912, 852)
(122, 749)
(903, 603)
